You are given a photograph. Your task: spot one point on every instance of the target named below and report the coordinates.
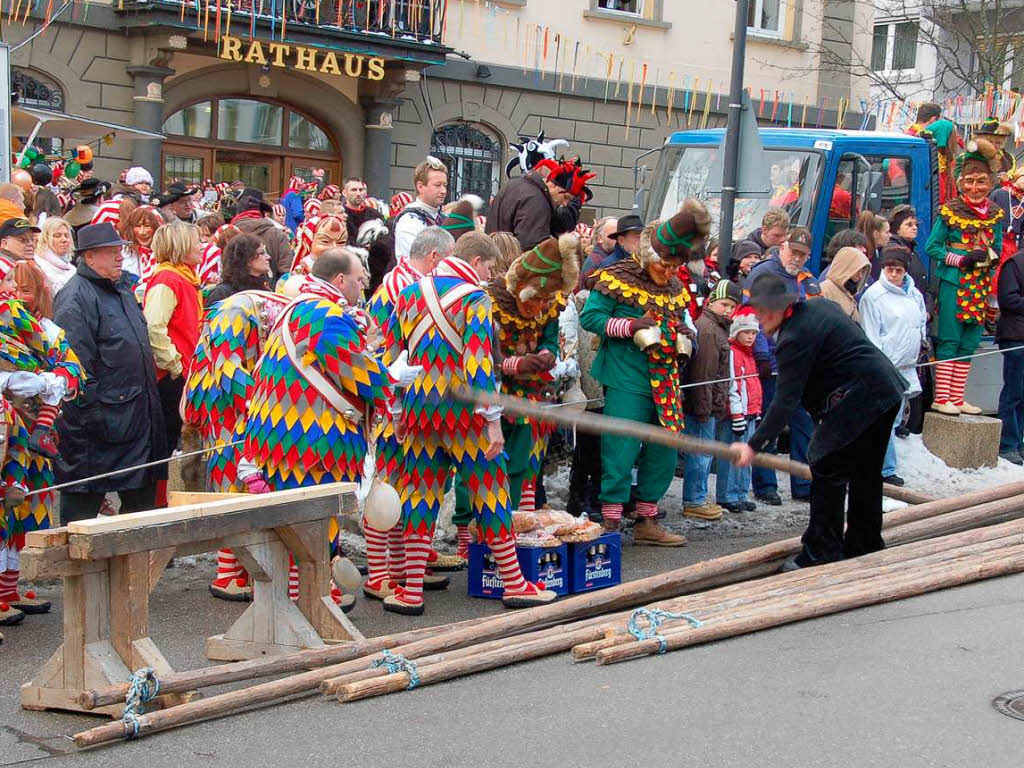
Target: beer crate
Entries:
(547, 564)
(595, 564)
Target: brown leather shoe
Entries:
(649, 533)
(611, 526)
(706, 511)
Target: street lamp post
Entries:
(732, 136)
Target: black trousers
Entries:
(83, 506)
(585, 474)
(853, 474)
(170, 400)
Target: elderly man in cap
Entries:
(116, 422)
(18, 239)
(175, 203)
(853, 392)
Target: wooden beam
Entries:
(141, 536)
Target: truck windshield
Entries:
(794, 181)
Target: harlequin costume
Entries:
(643, 384)
(964, 245)
(14, 467)
(385, 550)
(313, 392)
(545, 273)
(444, 323)
(219, 386)
(39, 347)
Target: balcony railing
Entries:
(421, 21)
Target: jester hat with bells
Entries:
(675, 239)
(549, 268)
(979, 156)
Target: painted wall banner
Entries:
(301, 57)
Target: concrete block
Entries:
(617, 136)
(612, 113)
(606, 155)
(409, 156)
(578, 109)
(963, 442)
(596, 133)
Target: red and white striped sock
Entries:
(417, 548)
(396, 553)
(646, 509)
(528, 499)
(376, 556)
(46, 416)
(9, 586)
(508, 566)
(227, 566)
(961, 370)
(943, 380)
(611, 512)
(464, 537)
(293, 579)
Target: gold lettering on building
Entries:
(301, 57)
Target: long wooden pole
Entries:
(792, 608)
(931, 553)
(1005, 499)
(603, 424)
(999, 563)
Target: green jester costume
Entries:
(638, 308)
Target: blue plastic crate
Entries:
(595, 564)
(547, 564)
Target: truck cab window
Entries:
(848, 194)
(895, 176)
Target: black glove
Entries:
(764, 369)
(739, 426)
(974, 259)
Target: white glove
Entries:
(25, 384)
(565, 369)
(402, 374)
(56, 388)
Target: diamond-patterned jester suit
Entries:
(313, 389)
(221, 381)
(14, 463)
(525, 439)
(26, 345)
(389, 455)
(441, 432)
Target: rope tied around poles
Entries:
(655, 618)
(143, 687)
(395, 663)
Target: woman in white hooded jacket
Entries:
(893, 315)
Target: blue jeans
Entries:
(696, 468)
(731, 482)
(889, 463)
(764, 480)
(800, 428)
(1011, 397)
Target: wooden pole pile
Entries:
(450, 651)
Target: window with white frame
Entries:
(894, 46)
(635, 7)
(766, 17)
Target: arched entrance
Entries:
(261, 142)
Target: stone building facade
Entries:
(261, 107)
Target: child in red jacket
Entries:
(744, 411)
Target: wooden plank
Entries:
(39, 563)
(97, 606)
(243, 502)
(38, 699)
(74, 632)
(220, 648)
(235, 541)
(175, 533)
(50, 537)
(129, 602)
(52, 673)
(185, 498)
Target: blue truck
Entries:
(824, 179)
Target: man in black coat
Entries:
(544, 203)
(380, 244)
(852, 392)
(116, 422)
(1010, 337)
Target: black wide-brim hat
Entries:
(769, 291)
(100, 235)
(627, 224)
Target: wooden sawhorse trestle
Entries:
(111, 565)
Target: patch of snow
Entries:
(926, 472)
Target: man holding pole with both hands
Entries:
(852, 391)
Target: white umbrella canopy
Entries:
(46, 124)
